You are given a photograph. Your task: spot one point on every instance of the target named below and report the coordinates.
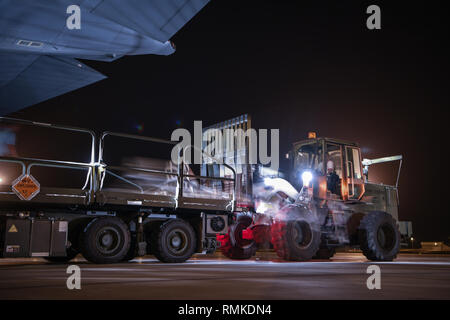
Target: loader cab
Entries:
(313, 155)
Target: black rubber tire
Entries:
(170, 232)
(324, 253)
(379, 237)
(232, 244)
(132, 252)
(285, 231)
(115, 230)
(71, 253)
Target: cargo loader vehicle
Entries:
(325, 201)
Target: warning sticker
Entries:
(26, 187)
(63, 226)
(13, 229)
(13, 249)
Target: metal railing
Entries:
(180, 174)
(97, 170)
(28, 163)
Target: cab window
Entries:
(310, 156)
(353, 163)
(334, 155)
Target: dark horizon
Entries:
(297, 67)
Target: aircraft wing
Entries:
(158, 19)
(27, 79)
(31, 74)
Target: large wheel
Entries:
(379, 236)
(324, 253)
(132, 251)
(105, 240)
(134, 247)
(295, 236)
(174, 241)
(233, 245)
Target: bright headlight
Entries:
(306, 178)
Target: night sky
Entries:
(297, 66)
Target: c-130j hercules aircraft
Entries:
(39, 47)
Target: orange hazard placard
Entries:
(26, 187)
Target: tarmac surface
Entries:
(216, 277)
